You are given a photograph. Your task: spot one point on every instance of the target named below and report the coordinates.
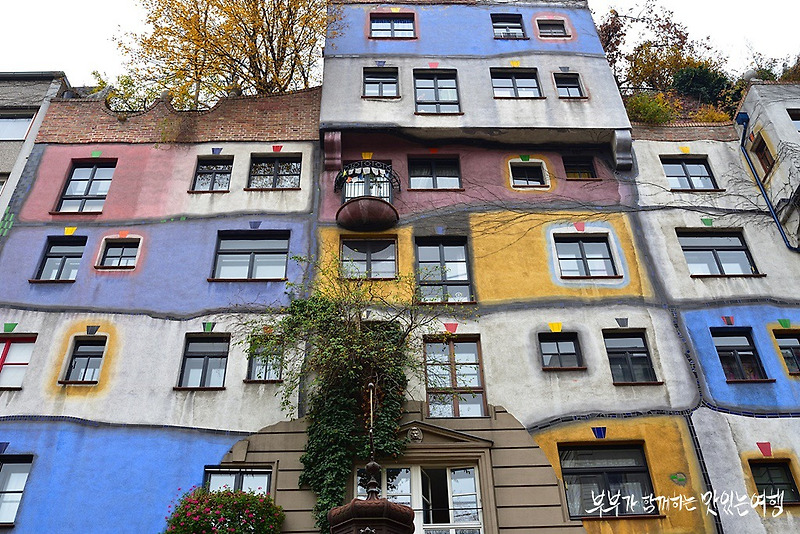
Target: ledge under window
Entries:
(193, 192)
(10, 388)
(77, 382)
(574, 97)
(257, 381)
(366, 97)
(435, 189)
(613, 277)
(77, 213)
(579, 368)
(751, 275)
(115, 267)
(247, 279)
(715, 190)
(434, 113)
(272, 189)
(444, 302)
(749, 380)
(186, 388)
(648, 383)
(42, 281)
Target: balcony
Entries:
(367, 189)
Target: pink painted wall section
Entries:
(149, 181)
(485, 177)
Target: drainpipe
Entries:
(743, 119)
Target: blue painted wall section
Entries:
(781, 395)
(84, 479)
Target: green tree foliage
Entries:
(703, 83)
(651, 108)
(226, 511)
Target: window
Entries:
(790, 349)
(392, 27)
(15, 354)
(515, 83)
(589, 472)
(443, 271)
(737, 354)
(552, 28)
(3, 181)
(436, 92)
(568, 85)
(87, 356)
(628, 357)
(449, 497)
(14, 128)
(369, 259)
(454, 378)
(794, 115)
(528, 175)
(716, 254)
(578, 168)
(204, 361)
(507, 26)
(274, 173)
(688, 174)
(368, 179)
(775, 478)
(87, 188)
(61, 258)
(434, 174)
(14, 471)
(761, 150)
(560, 350)
(252, 255)
(380, 82)
(265, 368)
(584, 256)
(213, 174)
(119, 254)
(218, 477)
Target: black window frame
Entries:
(199, 171)
(372, 245)
(95, 354)
(4, 176)
(687, 175)
(560, 77)
(250, 235)
(522, 178)
(15, 459)
(453, 390)
(206, 356)
(256, 359)
(550, 33)
(582, 239)
(127, 244)
(90, 181)
(442, 283)
(794, 116)
(580, 165)
(381, 77)
(628, 353)
(502, 21)
(276, 177)
(57, 241)
(715, 250)
(558, 338)
(602, 475)
(515, 74)
(434, 164)
(393, 19)
(238, 473)
(773, 487)
(437, 76)
(790, 353)
(736, 351)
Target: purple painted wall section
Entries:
(484, 177)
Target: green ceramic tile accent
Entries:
(525, 157)
(707, 221)
(97, 153)
(785, 323)
(209, 326)
(9, 327)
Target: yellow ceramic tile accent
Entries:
(668, 449)
(366, 155)
(684, 149)
(69, 230)
(554, 327)
(63, 353)
(514, 63)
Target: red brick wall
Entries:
(284, 117)
(696, 131)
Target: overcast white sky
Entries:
(76, 36)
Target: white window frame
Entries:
(110, 239)
(15, 459)
(532, 162)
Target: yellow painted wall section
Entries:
(513, 257)
(668, 450)
(64, 353)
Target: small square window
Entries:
(62, 258)
(794, 115)
(14, 471)
(369, 259)
(552, 28)
(119, 254)
(737, 354)
(584, 256)
(14, 128)
(274, 173)
(380, 83)
(213, 174)
(790, 349)
(507, 26)
(775, 478)
(579, 168)
(87, 357)
(434, 173)
(436, 92)
(220, 477)
(454, 378)
(528, 175)
(87, 188)
(263, 367)
(204, 361)
(255, 255)
(392, 27)
(688, 173)
(716, 253)
(568, 85)
(515, 83)
(629, 357)
(560, 350)
(762, 152)
(443, 270)
(15, 355)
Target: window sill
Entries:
(749, 380)
(393, 38)
(697, 190)
(794, 373)
(614, 277)
(195, 192)
(573, 97)
(365, 97)
(629, 516)
(114, 267)
(78, 213)
(754, 275)
(41, 281)
(184, 388)
(446, 303)
(520, 97)
(435, 189)
(512, 38)
(6, 525)
(11, 388)
(555, 369)
(541, 186)
(272, 189)
(78, 382)
(258, 381)
(653, 383)
(365, 279)
(423, 113)
(595, 179)
(247, 279)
